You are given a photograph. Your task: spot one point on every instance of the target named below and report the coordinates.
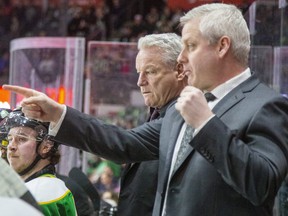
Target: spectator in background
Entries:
(116, 16)
(151, 20)
(97, 26)
(105, 179)
(138, 27)
(107, 182)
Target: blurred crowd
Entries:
(111, 20)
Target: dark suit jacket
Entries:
(139, 185)
(234, 167)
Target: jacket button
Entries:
(173, 190)
(202, 149)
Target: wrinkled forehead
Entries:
(21, 130)
(151, 58)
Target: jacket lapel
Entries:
(236, 95)
(220, 109)
(173, 136)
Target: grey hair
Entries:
(169, 44)
(217, 20)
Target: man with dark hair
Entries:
(33, 155)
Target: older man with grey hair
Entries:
(160, 80)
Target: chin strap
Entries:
(38, 157)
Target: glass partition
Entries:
(281, 69)
(268, 22)
(261, 63)
(112, 79)
(55, 66)
(111, 91)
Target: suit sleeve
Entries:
(81, 131)
(252, 158)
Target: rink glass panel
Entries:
(268, 24)
(114, 94)
(54, 66)
(51, 65)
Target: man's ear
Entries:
(180, 71)
(224, 44)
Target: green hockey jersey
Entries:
(52, 195)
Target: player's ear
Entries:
(45, 147)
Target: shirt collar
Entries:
(223, 89)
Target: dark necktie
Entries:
(209, 96)
(154, 114)
(188, 135)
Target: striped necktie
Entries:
(188, 135)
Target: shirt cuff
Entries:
(54, 130)
(196, 131)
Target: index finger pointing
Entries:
(26, 92)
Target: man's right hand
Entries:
(37, 105)
(193, 107)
